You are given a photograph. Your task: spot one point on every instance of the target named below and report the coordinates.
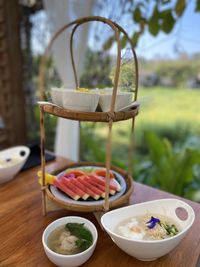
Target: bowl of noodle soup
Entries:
(151, 229)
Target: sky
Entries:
(185, 37)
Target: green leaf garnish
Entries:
(170, 229)
(84, 236)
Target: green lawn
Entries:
(167, 141)
(166, 107)
(172, 113)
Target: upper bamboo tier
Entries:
(92, 116)
(89, 116)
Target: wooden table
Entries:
(22, 224)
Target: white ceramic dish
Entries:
(88, 101)
(15, 158)
(123, 99)
(69, 260)
(81, 101)
(75, 100)
(143, 249)
(56, 95)
(133, 105)
(63, 197)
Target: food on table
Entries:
(69, 239)
(102, 173)
(84, 90)
(70, 184)
(148, 227)
(65, 189)
(95, 192)
(83, 184)
(74, 173)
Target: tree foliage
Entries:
(96, 70)
(126, 78)
(153, 16)
(175, 171)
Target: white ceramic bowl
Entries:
(123, 99)
(81, 101)
(142, 249)
(75, 100)
(14, 159)
(69, 260)
(56, 95)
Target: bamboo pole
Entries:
(42, 147)
(130, 156)
(108, 164)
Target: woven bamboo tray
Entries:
(90, 116)
(98, 207)
(109, 117)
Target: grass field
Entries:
(172, 113)
(166, 107)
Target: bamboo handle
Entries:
(117, 29)
(117, 71)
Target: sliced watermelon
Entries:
(73, 187)
(96, 186)
(80, 185)
(100, 186)
(94, 192)
(66, 190)
(114, 185)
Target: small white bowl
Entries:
(69, 260)
(123, 99)
(14, 159)
(75, 100)
(147, 250)
(81, 101)
(56, 95)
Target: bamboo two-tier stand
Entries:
(108, 117)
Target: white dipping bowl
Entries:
(123, 99)
(75, 100)
(17, 157)
(147, 250)
(81, 101)
(69, 260)
(56, 95)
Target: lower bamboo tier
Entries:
(90, 116)
(99, 207)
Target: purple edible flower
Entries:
(152, 222)
(69, 175)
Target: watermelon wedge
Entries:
(66, 190)
(73, 187)
(96, 186)
(94, 192)
(101, 187)
(83, 188)
(114, 185)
